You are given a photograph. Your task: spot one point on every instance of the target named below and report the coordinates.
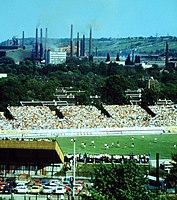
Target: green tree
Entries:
(137, 59)
(171, 179)
(128, 61)
(114, 89)
(108, 58)
(6, 60)
(123, 182)
(117, 57)
(174, 158)
(149, 96)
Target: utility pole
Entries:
(157, 172)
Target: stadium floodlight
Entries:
(74, 168)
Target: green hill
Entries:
(123, 46)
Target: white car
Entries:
(47, 189)
(56, 181)
(53, 186)
(20, 184)
(21, 189)
(36, 189)
(60, 190)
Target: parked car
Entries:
(36, 189)
(47, 189)
(11, 181)
(45, 182)
(8, 189)
(56, 181)
(2, 185)
(20, 184)
(53, 186)
(37, 182)
(21, 189)
(66, 182)
(60, 190)
(25, 178)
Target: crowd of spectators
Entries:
(87, 116)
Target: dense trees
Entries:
(114, 89)
(27, 81)
(124, 182)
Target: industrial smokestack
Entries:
(36, 46)
(166, 55)
(90, 43)
(41, 46)
(23, 40)
(78, 45)
(133, 55)
(71, 41)
(46, 46)
(83, 46)
(96, 52)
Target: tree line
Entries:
(28, 81)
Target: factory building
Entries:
(56, 57)
(18, 54)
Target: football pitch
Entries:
(164, 144)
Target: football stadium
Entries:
(120, 132)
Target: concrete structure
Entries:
(134, 96)
(56, 57)
(2, 75)
(28, 154)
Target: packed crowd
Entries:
(135, 116)
(81, 116)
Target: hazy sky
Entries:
(108, 18)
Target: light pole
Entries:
(74, 168)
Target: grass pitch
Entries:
(164, 144)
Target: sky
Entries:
(108, 18)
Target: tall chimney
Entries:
(133, 55)
(41, 46)
(90, 43)
(36, 47)
(78, 45)
(96, 52)
(83, 46)
(71, 41)
(46, 46)
(166, 55)
(23, 40)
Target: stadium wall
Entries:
(87, 132)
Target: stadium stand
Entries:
(87, 117)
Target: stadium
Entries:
(87, 123)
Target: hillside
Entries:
(123, 46)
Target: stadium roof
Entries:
(19, 152)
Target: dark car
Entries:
(45, 182)
(11, 181)
(8, 189)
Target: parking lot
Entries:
(33, 197)
(24, 187)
